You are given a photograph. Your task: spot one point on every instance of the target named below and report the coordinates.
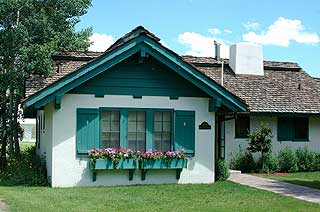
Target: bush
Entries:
(288, 160)
(244, 162)
(305, 160)
(270, 165)
(222, 172)
(316, 162)
(30, 170)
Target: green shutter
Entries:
(285, 129)
(185, 131)
(87, 136)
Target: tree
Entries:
(260, 141)
(31, 31)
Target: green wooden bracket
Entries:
(178, 173)
(57, 103)
(174, 97)
(94, 176)
(214, 104)
(98, 95)
(131, 171)
(143, 174)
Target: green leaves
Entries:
(31, 31)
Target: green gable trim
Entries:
(141, 43)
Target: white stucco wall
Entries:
(69, 170)
(233, 144)
(45, 146)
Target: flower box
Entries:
(126, 164)
(108, 164)
(102, 164)
(164, 164)
(177, 164)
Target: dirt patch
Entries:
(3, 206)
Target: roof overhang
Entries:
(142, 44)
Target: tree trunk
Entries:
(11, 124)
(16, 128)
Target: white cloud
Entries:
(215, 31)
(282, 32)
(100, 42)
(251, 26)
(202, 45)
(228, 31)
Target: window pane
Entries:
(132, 116)
(115, 126)
(132, 127)
(106, 125)
(242, 126)
(115, 116)
(110, 129)
(166, 127)
(106, 115)
(141, 127)
(141, 116)
(162, 131)
(136, 130)
(157, 126)
(166, 116)
(158, 116)
(301, 128)
(157, 136)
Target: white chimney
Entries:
(246, 58)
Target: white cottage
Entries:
(140, 95)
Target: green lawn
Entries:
(25, 145)
(309, 179)
(221, 196)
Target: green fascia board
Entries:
(121, 53)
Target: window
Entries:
(137, 130)
(242, 126)
(162, 131)
(110, 129)
(293, 129)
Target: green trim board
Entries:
(120, 53)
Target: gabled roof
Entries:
(138, 40)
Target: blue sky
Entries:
(288, 30)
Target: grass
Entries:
(309, 179)
(220, 196)
(26, 145)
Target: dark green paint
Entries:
(185, 131)
(88, 133)
(150, 78)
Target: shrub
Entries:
(305, 160)
(244, 162)
(222, 172)
(260, 141)
(288, 160)
(316, 162)
(270, 165)
(30, 170)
